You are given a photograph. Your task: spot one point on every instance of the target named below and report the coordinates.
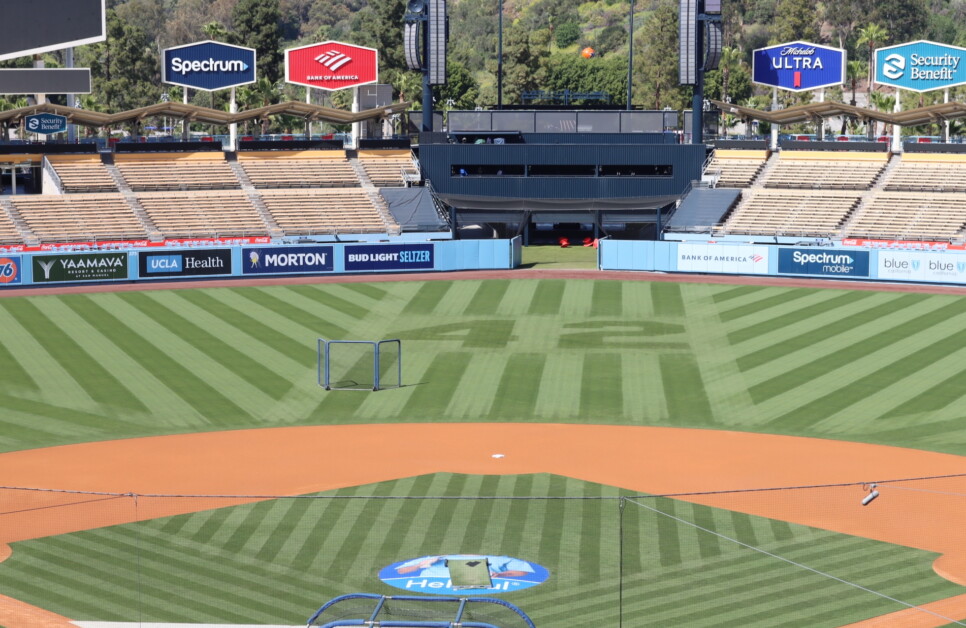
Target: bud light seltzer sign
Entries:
(798, 66)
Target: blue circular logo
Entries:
(460, 574)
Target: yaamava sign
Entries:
(920, 66)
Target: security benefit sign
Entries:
(287, 260)
(823, 263)
(10, 274)
(798, 66)
(389, 257)
(916, 266)
(920, 66)
(200, 263)
(208, 65)
(82, 267)
(45, 123)
(474, 574)
(723, 258)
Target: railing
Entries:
(49, 170)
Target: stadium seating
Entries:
(292, 169)
(79, 217)
(790, 212)
(385, 167)
(9, 234)
(176, 171)
(929, 172)
(737, 168)
(333, 210)
(225, 213)
(911, 215)
(82, 173)
(830, 170)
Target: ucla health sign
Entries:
(823, 263)
(200, 263)
(389, 257)
(798, 66)
(287, 260)
(45, 123)
(208, 65)
(920, 66)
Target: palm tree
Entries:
(216, 31)
(853, 71)
(882, 102)
(872, 36)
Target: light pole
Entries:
(499, 60)
(630, 58)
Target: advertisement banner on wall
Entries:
(208, 65)
(920, 66)
(287, 260)
(798, 66)
(201, 263)
(932, 267)
(823, 263)
(718, 258)
(389, 257)
(82, 267)
(10, 274)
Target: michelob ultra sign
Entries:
(798, 66)
(920, 66)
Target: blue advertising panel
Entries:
(824, 263)
(389, 257)
(208, 65)
(190, 263)
(287, 260)
(10, 274)
(798, 66)
(45, 123)
(431, 574)
(920, 66)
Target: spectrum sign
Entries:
(208, 65)
(920, 66)
(798, 66)
(331, 65)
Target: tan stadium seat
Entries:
(82, 173)
(176, 171)
(226, 213)
(385, 167)
(79, 217)
(295, 169)
(321, 211)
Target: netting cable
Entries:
(796, 564)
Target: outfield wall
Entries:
(927, 266)
(54, 268)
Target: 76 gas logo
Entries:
(9, 270)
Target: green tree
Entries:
(571, 71)
(567, 34)
(519, 64)
(902, 19)
(380, 26)
(460, 88)
(656, 70)
(870, 38)
(795, 20)
(258, 25)
(217, 32)
(125, 73)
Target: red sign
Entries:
(331, 65)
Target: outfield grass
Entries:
(574, 257)
(866, 366)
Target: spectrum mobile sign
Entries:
(208, 65)
(920, 66)
(798, 66)
(331, 65)
(824, 263)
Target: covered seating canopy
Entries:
(194, 113)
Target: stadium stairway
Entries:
(868, 195)
(759, 182)
(29, 237)
(249, 188)
(392, 227)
